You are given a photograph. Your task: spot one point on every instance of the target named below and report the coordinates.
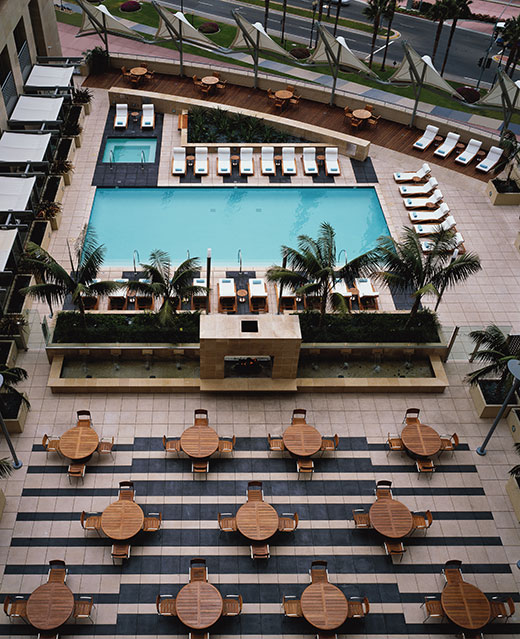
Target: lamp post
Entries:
(514, 368)
(314, 7)
(16, 462)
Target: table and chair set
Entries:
(360, 118)
(137, 75)
(284, 97)
(209, 83)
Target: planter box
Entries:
(41, 233)
(87, 107)
(484, 409)
(12, 352)
(501, 199)
(513, 421)
(18, 424)
(517, 241)
(54, 189)
(2, 503)
(513, 492)
(78, 139)
(56, 220)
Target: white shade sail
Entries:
(7, 239)
(49, 76)
(495, 97)
(257, 32)
(189, 32)
(15, 193)
(344, 55)
(106, 20)
(23, 147)
(425, 69)
(35, 109)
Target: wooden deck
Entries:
(390, 135)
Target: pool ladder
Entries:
(239, 256)
(136, 253)
(143, 159)
(111, 158)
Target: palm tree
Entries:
(511, 146)
(284, 15)
(389, 15)
(171, 286)
(438, 13)
(266, 14)
(458, 9)
(6, 467)
(336, 19)
(54, 280)
(511, 38)
(12, 377)
(374, 11)
(313, 268)
(404, 266)
(492, 349)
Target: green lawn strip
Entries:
(69, 18)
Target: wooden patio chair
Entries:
(196, 81)
(57, 571)
(50, 444)
(83, 608)
(471, 634)
(226, 444)
(90, 522)
(291, 88)
(200, 467)
(432, 608)
(254, 491)
(295, 100)
(200, 416)
(276, 444)
(279, 103)
(260, 551)
(425, 467)
(48, 635)
(149, 75)
(411, 416)
(329, 444)
(449, 443)
(288, 522)
(502, 609)
(270, 94)
(120, 552)
(205, 88)
(172, 445)
(76, 471)
(152, 522)
(422, 522)
(198, 569)
(358, 608)
(355, 123)
(221, 84)
(198, 635)
(127, 491)
(452, 571)
(349, 115)
(232, 605)
(165, 605)
(106, 447)
(361, 518)
(15, 607)
(291, 606)
(383, 489)
(326, 635)
(347, 110)
(299, 416)
(227, 522)
(144, 65)
(318, 572)
(84, 418)
(395, 443)
(369, 107)
(394, 549)
(373, 121)
(304, 467)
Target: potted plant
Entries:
(73, 130)
(64, 168)
(14, 405)
(6, 468)
(491, 383)
(83, 96)
(15, 327)
(50, 211)
(513, 485)
(97, 60)
(506, 190)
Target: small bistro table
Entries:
(139, 71)
(78, 442)
(302, 439)
(199, 442)
(421, 440)
(284, 94)
(324, 605)
(466, 605)
(210, 80)
(50, 606)
(391, 518)
(199, 605)
(257, 520)
(362, 114)
(122, 519)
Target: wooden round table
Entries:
(122, 520)
(466, 605)
(199, 442)
(199, 605)
(210, 80)
(324, 606)
(78, 442)
(302, 440)
(49, 606)
(283, 94)
(362, 114)
(242, 294)
(139, 71)
(257, 520)
(421, 440)
(391, 518)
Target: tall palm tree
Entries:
(172, 286)
(55, 280)
(12, 377)
(313, 268)
(494, 352)
(511, 37)
(389, 16)
(284, 15)
(458, 9)
(404, 266)
(438, 13)
(374, 11)
(6, 467)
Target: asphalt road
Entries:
(467, 47)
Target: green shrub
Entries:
(209, 27)
(300, 53)
(135, 328)
(369, 327)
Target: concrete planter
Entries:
(501, 199)
(56, 220)
(78, 139)
(513, 421)
(12, 354)
(483, 408)
(2, 503)
(17, 424)
(513, 492)
(517, 241)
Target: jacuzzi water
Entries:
(132, 150)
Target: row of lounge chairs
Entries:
(450, 143)
(245, 161)
(147, 116)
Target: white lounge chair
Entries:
(179, 161)
(429, 215)
(267, 161)
(223, 160)
(227, 295)
(428, 229)
(199, 299)
(419, 189)
(257, 295)
(309, 161)
(423, 202)
(412, 176)
(448, 145)
(341, 289)
(246, 161)
(121, 118)
(148, 116)
(367, 295)
(288, 161)
(427, 138)
(493, 156)
(201, 160)
(458, 242)
(469, 152)
(331, 161)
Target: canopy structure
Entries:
(255, 39)
(420, 72)
(36, 109)
(46, 76)
(7, 240)
(506, 94)
(99, 20)
(337, 54)
(23, 147)
(15, 193)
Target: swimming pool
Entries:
(130, 149)
(255, 220)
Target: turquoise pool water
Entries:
(129, 149)
(255, 220)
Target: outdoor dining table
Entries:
(324, 605)
(199, 605)
(139, 71)
(199, 442)
(210, 80)
(50, 606)
(391, 518)
(257, 520)
(122, 519)
(302, 439)
(465, 605)
(362, 114)
(78, 442)
(420, 439)
(283, 94)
